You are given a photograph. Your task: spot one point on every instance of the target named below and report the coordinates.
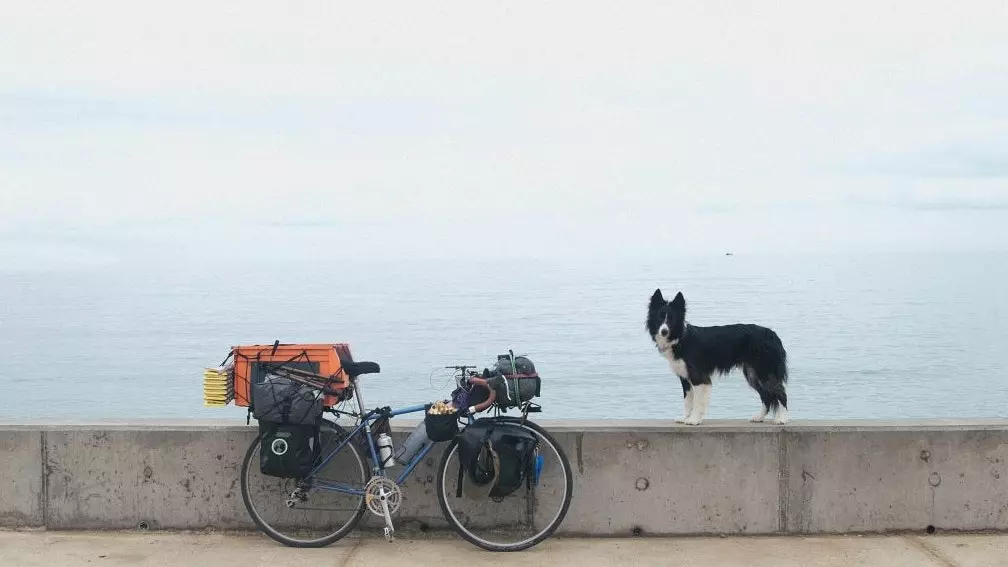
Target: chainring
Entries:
(373, 495)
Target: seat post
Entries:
(360, 400)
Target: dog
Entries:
(696, 353)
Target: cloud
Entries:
(980, 161)
(418, 120)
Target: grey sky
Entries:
(588, 127)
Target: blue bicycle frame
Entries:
(379, 467)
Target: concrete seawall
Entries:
(653, 477)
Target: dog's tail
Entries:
(781, 371)
(780, 366)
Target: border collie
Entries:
(696, 353)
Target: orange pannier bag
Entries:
(252, 362)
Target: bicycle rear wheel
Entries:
(323, 516)
(518, 521)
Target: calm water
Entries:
(878, 336)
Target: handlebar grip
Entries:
(486, 403)
(490, 399)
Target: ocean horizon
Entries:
(869, 336)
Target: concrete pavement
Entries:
(115, 549)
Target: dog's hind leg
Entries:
(781, 415)
(765, 398)
(781, 411)
(775, 398)
(688, 394)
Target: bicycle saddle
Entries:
(355, 369)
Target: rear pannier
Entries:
(290, 416)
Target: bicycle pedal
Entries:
(389, 534)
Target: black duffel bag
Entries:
(281, 400)
(515, 380)
(290, 417)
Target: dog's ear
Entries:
(657, 300)
(679, 303)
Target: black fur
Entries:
(757, 350)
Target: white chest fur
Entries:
(678, 365)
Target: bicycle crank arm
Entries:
(389, 529)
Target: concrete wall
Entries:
(657, 477)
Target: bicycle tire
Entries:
(275, 534)
(545, 534)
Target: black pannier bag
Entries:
(288, 451)
(516, 382)
(290, 417)
(498, 456)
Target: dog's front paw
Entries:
(681, 419)
(692, 421)
(757, 418)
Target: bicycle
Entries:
(370, 487)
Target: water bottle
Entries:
(416, 442)
(384, 443)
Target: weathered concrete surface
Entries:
(168, 478)
(856, 481)
(673, 482)
(72, 549)
(20, 478)
(967, 550)
(660, 477)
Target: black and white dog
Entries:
(696, 353)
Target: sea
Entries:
(868, 335)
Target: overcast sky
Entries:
(406, 128)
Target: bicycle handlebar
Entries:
(490, 399)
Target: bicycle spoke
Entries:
(322, 516)
(513, 522)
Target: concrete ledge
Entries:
(21, 489)
(723, 477)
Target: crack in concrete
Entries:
(580, 455)
(44, 487)
(353, 553)
(931, 552)
(783, 483)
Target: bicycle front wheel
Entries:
(322, 515)
(515, 522)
